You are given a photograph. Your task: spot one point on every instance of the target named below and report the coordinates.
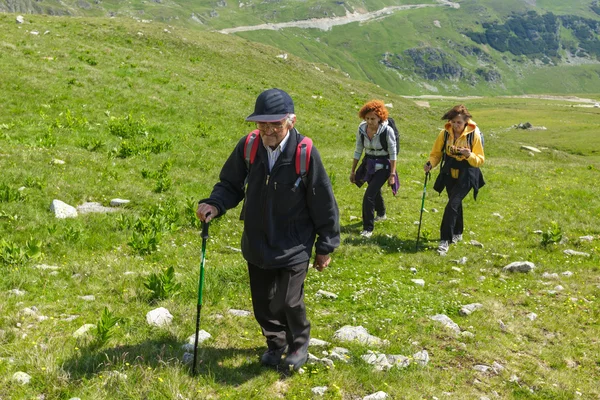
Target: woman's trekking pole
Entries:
(200, 284)
(422, 207)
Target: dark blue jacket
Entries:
(280, 224)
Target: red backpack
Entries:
(303, 150)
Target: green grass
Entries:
(89, 85)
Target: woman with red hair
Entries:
(378, 140)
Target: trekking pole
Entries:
(200, 284)
(422, 206)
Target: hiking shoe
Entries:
(443, 246)
(297, 358)
(457, 238)
(272, 357)
(366, 234)
(380, 218)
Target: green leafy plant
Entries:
(8, 194)
(144, 242)
(13, 254)
(162, 285)
(105, 327)
(127, 127)
(553, 235)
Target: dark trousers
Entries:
(373, 200)
(452, 221)
(278, 303)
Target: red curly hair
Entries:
(377, 107)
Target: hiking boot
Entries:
(380, 218)
(297, 358)
(457, 238)
(272, 357)
(443, 246)
(366, 234)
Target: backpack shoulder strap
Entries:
(303, 150)
(444, 149)
(251, 147)
(470, 139)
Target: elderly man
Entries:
(284, 215)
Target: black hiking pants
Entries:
(373, 200)
(452, 221)
(278, 303)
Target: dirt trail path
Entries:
(326, 24)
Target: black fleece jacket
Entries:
(280, 224)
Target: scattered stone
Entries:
(497, 367)
(575, 253)
(21, 378)
(467, 334)
(326, 294)
(376, 396)
(482, 368)
(83, 330)
(447, 322)
(17, 292)
(421, 357)
(418, 282)
(519, 266)
(481, 278)
(538, 232)
(319, 390)
(587, 238)
(476, 243)
(20, 19)
(531, 149)
(513, 378)
(89, 297)
(118, 202)
(456, 268)
(532, 316)
(379, 360)
(547, 275)
(497, 215)
(523, 125)
(559, 288)
(116, 375)
(317, 342)
(357, 333)
(239, 313)
(188, 357)
(41, 318)
(469, 309)
(567, 273)
(353, 217)
(234, 249)
(29, 311)
(283, 56)
(159, 317)
(62, 210)
(502, 325)
(202, 336)
(93, 207)
(56, 161)
(413, 270)
(46, 267)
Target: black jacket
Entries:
(280, 225)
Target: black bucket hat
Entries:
(272, 105)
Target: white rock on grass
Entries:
(532, 316)
(202, 336)
(587, 238)
(62, 210)
(188, 357)
(447, 322)
(482, 368)
(576, 253)
(547, 275)
(376, 396)
(476, 243)
(159, 317)
(421, 357)
(469, 309)
(567, 273)
(519, 266)
(379, 360)
(326, 294)
(93, 207)
(118, 202)
(56, 161)
(83, 330)
(89, 297)
(21, 378)
(357, 333)
(317, 342)
(17, 292)
(531, 149)
(319, 390)
(20, 19)
(418, 282)
(239, 313)
(46, 267)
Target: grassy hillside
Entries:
(416, 51)
(149, 112)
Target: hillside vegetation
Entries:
(95, 109)
(427, 47)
